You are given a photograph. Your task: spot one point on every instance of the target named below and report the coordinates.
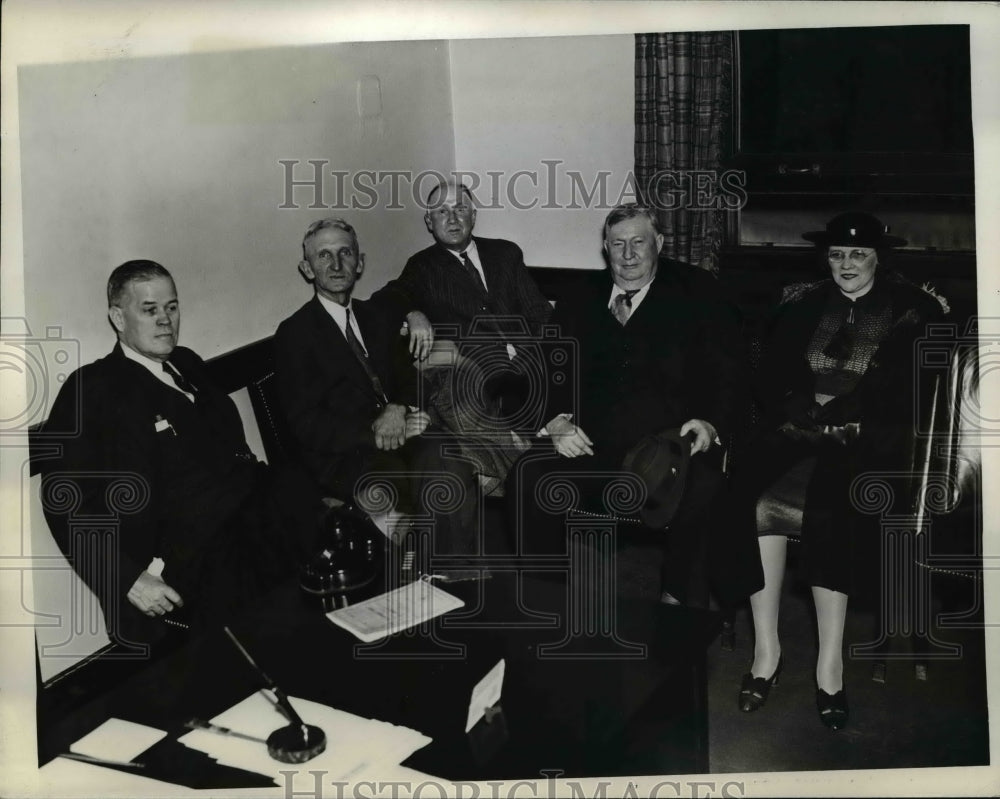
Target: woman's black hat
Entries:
(854, 229)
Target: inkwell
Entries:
(297, 742)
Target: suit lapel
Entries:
(374, 337)
(604, 319)
(454, 269)
(336, 354)
(150, 392)
(491, 268)
(651, 305)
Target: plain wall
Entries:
(520, 102)
(177, 159)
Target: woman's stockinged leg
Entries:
(831, 613)
(765, 605)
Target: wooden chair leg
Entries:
(880, 667)
(728, 638)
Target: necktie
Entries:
(473, 272)
(622, 307)
(478, 279)
(180, 381)
(362, 356)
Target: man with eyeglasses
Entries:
(351, 397)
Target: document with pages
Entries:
(394, 611)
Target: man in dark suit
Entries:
(656, 349)
(475, 292)
(350, 393)
(156, 453)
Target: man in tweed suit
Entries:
(476, 292)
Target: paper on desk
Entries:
(397, 610)
(117, 739)
(353, 744)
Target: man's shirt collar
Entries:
(471, 249)
(637, 298)
(155, 367)
(335, 309)
(339, 314)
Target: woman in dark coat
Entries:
(837, 388)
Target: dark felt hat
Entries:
(854, 229)
(661, 461)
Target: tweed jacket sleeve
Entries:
(434, 282)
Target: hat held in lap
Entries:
(661, 461)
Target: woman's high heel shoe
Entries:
(754, 690)
(832, 708)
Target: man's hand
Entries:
(569, 440)
(153, 596)
(390, 427)
(421, 334)
(705, 434)
(416, 423)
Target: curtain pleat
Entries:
(683, 91)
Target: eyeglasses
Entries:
(856, 256)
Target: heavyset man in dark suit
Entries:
(656, 349)
(476, 292)
(350, 393)
(148, 439)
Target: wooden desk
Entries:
(628, 699)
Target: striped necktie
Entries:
(473, 272)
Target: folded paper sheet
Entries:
(395, 611)
(354, 745)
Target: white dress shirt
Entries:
(155, 368)
(338, 313)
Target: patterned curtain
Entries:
(683, 90)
